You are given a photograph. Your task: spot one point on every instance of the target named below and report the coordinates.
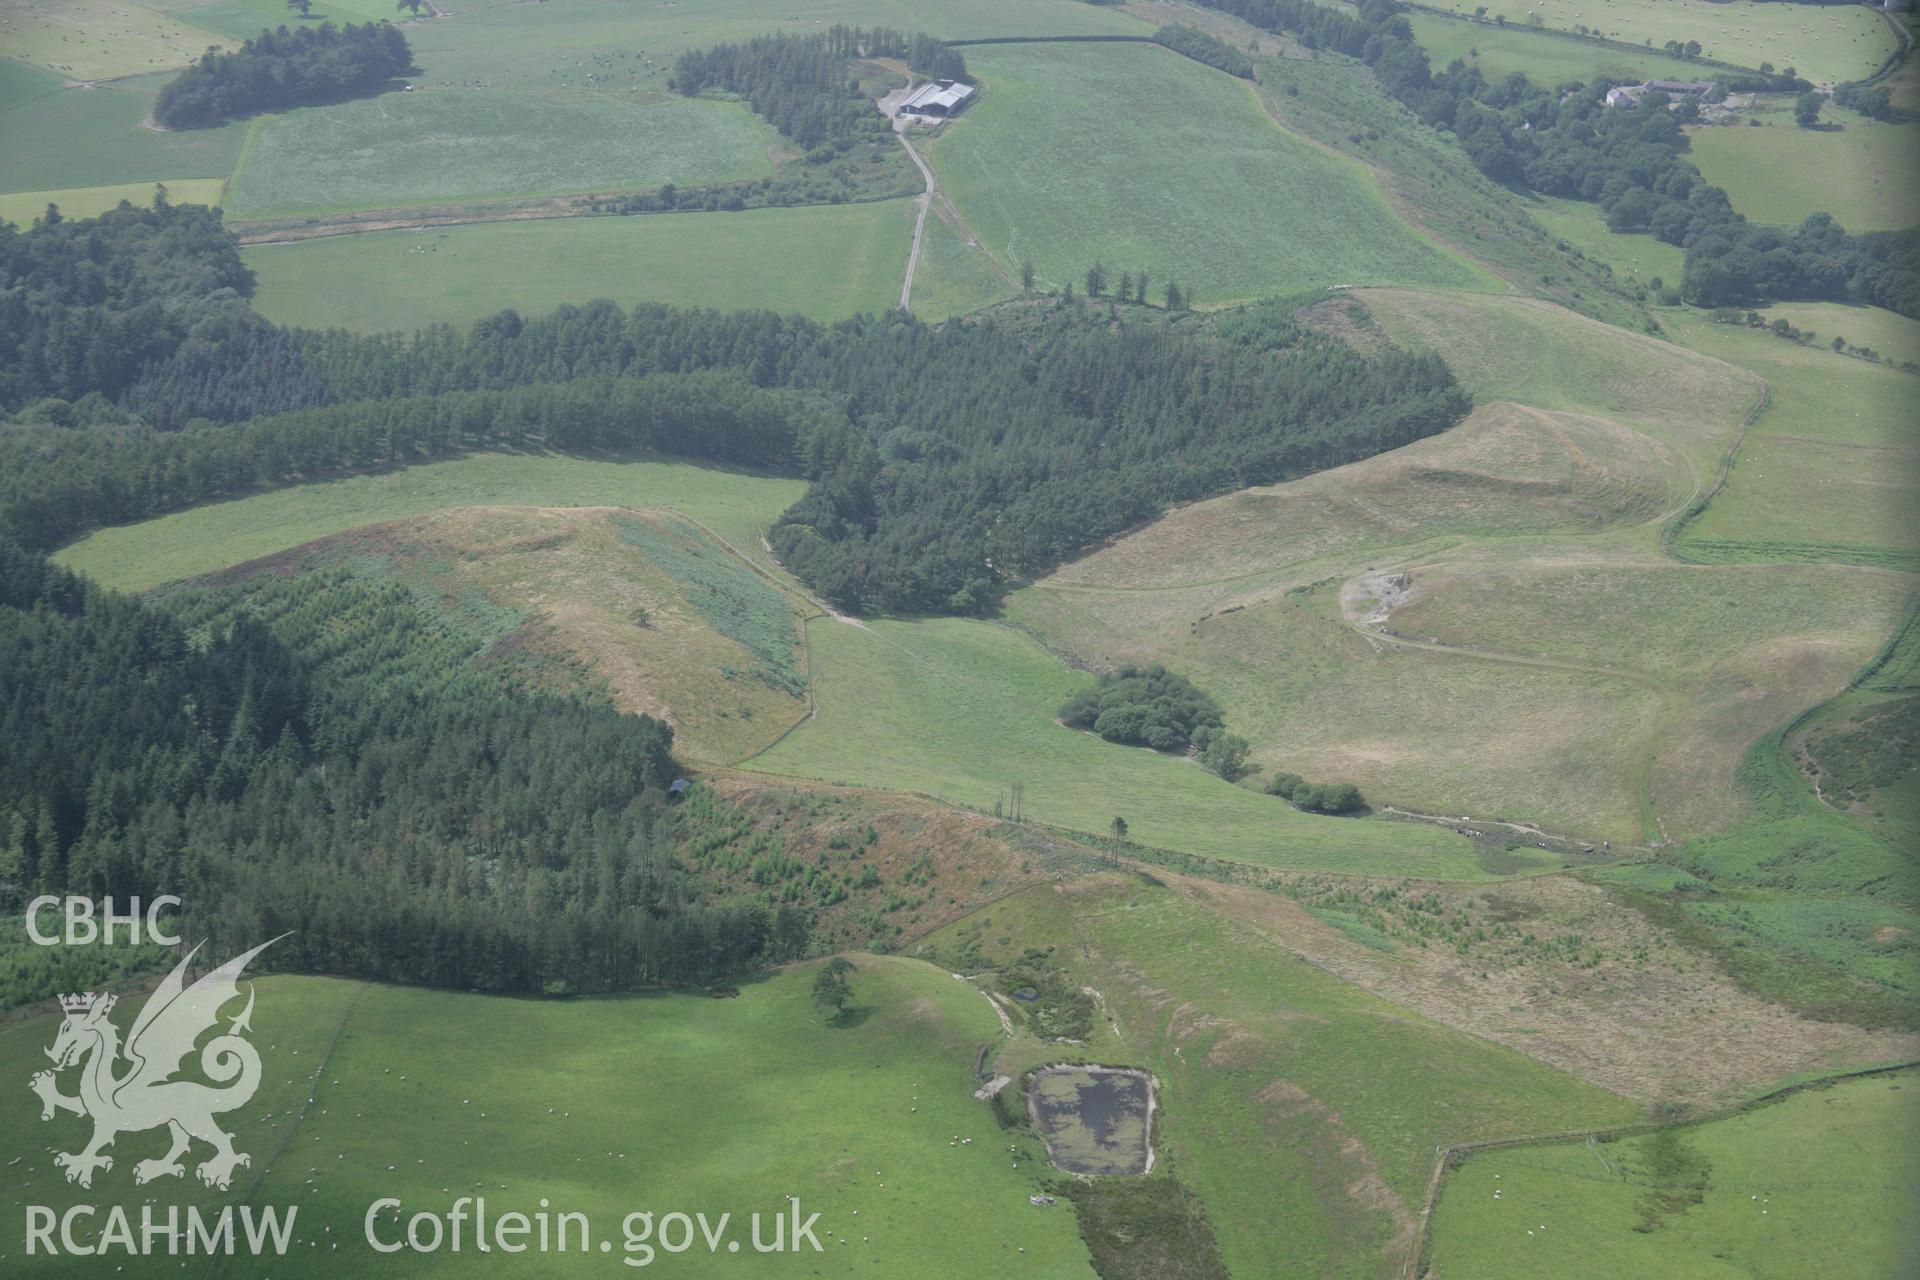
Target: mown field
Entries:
(1303, 1111)
(1864, 174)
(88, 202)
(59, 138)
(97, 39)
(963, 710)
(824, 261)
(1194, 183)
(738, 505)
(418, 148)
(1815, 1184)
(428, 1096)
(1824, 43)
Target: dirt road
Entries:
(890, 105)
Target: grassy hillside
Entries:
(429, 1095)
(964, 709)
(642, 603)
(421, 148)
(1193, 182)
(1540, 660)
(197, 541)
(825, 261)
(1303, 1111)
(1814, 1184)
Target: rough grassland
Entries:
(591, 1104)
(1145, 160)
(95, 39)
(1832, 465)
(1864, 174)
(1820, 1183)
(963, 709)
(739, 505)
(88, 202)
(92, 137)
(1825, 43)
(1303, 1111)
(824, 261)
(1528, 667)
(417, 148)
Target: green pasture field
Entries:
(631, 48)
(88, 202)
(1895, 337)
(962, 710)
(825, 261)
(1865, 173)
(1824, 43)
(588, 1104)
(1583, 226)
(418, 148)
(21, 83)
(1831, 465)
(96, 39)
(239, 20)
(1544, 58)
(737, 504)
(1302, 1110)
(92, 137)
(955, 277)
(1818, 1183)
(1142, 159)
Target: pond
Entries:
(1095, 1120)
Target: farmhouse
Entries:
(937, 100)
(1628, 95)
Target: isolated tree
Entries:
(832, 993)
(1174, 298)
(1126, 286)
(1140, 288)
(1806, 109)
(1096, 280)
(1026, 276)
(411, 6)
(1839, 343)
(304, 6)
(1118, 828)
